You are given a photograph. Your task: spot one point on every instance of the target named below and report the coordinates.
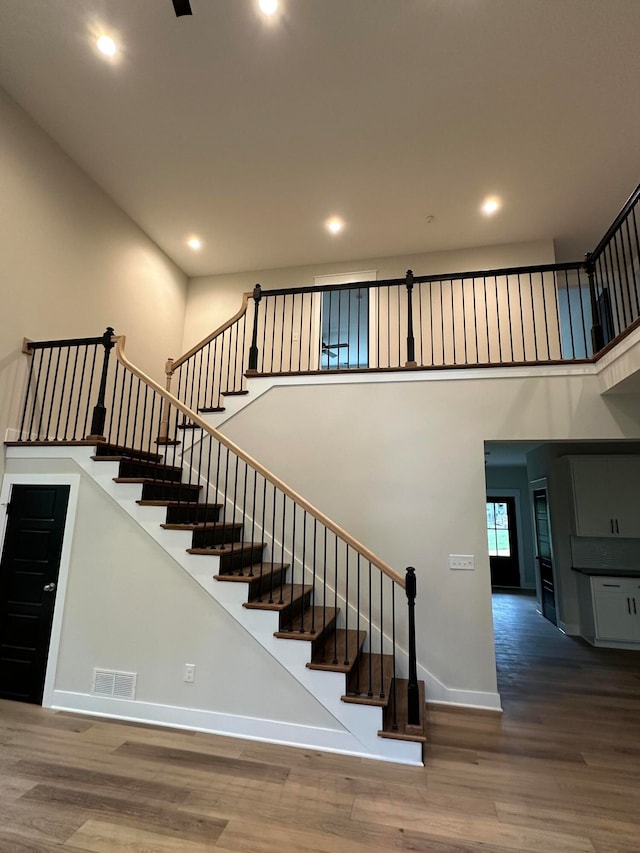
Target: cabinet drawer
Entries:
(611, 584)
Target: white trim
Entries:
(212, 722)
(73, 481)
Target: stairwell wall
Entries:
(398, 461)
(72, 263)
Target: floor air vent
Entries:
(119, 685)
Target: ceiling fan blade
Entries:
(182, 7)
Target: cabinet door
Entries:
(591, 496)
(624, 478)
(613, 609)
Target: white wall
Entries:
(214, 299)
(400, 465)
(72, 262)
(131, 608)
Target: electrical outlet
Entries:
(189, 673)
(461, 561)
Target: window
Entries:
(498, 529)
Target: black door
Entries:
(503, 544)
(545, 557)
(28, 579)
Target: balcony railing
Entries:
(541, 314)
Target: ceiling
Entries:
(251, 133)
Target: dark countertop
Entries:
(608, 573)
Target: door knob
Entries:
(49, 587)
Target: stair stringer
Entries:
(361, 723)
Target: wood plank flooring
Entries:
(558, 771)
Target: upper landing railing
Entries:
(541, 314)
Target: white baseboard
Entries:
(212, 722)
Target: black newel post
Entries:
(413, 692)
(253, 351)
(99, 410)
(411, 344)
(597, 337)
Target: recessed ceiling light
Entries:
(106, 45)
(194, 243)
(491, 205)
(268, 7)
(334, 225)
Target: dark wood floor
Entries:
(558, 771)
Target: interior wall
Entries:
(400, 465)
(214, 299)
(72, 263)
(515, 477)
(131, 608)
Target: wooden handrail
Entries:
(361, 549)
(242, 310)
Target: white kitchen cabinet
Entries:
(616, 609)
(606, 495)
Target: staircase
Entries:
(368, 676)
(331, 612)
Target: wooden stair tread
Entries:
(161, 466)
(267, 569)
(404, 731)
(169, 502)
(233, 393)
(212, 525)
(114, 449)
(312, 616)
(372, 675)
(210, 410)
(340, 646)
(149, 481)
(226, 550)
(289, 594)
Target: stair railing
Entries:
(215, 365)
(327, 565)
(614, 274)
(66, 389)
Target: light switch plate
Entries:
(462, 561)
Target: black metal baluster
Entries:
(62, 392)
(413, 691)
(370, 685)
(382, 694)
(486, 318)
(324, 592)
(394, 698)
(613, 289)
(421, 327)
(335, 600)
(444, 357)
(388, 364)
(524, 344)
(509, 322)
(475, 319)
(464, 321)
(53, 393)
(39, 435)
(614, 242)
(453, 323)
(358, 621)
(346, 605)
(582, 315)
(498, 329)
(636, 275)
(433, 356)
(282, 554)
(570, 312)
(411, 341)
(273, 540)
(80, 390)
(315, 553)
